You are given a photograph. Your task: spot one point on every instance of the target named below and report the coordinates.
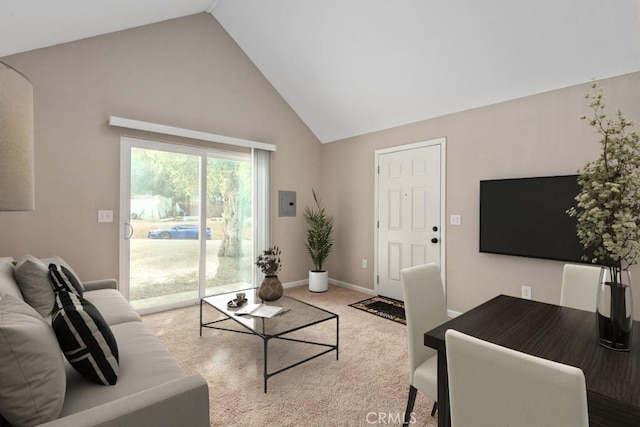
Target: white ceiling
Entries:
(350, 67)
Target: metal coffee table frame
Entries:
(275, 327)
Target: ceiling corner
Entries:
(212, 6)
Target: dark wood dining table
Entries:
(561, 334)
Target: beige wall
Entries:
(185, 72)
(189, 73)
(534, 136)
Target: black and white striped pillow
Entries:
(85, 338)
(64, 280)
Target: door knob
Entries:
(434, 240)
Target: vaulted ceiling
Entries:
(350, 67)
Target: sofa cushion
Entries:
(144, 363)
(32, 276)
(8, 285)
(62, 279)
(32, 369)
(85, 338)
(113, 306)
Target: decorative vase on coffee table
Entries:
(270, 289)
(614, 312)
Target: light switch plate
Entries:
(105, 216)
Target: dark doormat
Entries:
(384, 307)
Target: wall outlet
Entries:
(526, 292)
(364, 263)
(455, 220)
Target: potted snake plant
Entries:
(319, 244)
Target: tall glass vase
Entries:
(614, 311)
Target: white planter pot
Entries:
(318, 281)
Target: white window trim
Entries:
(188, 133)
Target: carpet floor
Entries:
(368, 385)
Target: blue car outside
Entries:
(180, 231)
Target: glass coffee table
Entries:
(296, 316)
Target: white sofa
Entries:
(151, 389)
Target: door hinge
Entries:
(378, 169)
(378, 225)
(378, 279)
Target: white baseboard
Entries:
(294, 284)
(352, 287)
(453, 314)
(333, 282)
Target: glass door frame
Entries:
(126, 145)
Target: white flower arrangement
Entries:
(608, 208)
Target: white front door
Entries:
(409, 210)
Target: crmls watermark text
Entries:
(389, 418)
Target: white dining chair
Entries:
(425, 308)
(580, 286)
(491, 385)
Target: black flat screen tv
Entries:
(528, 217)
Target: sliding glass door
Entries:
(230, 253)
(187, 223)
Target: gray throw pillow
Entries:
(32, 276)
(33, 380)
